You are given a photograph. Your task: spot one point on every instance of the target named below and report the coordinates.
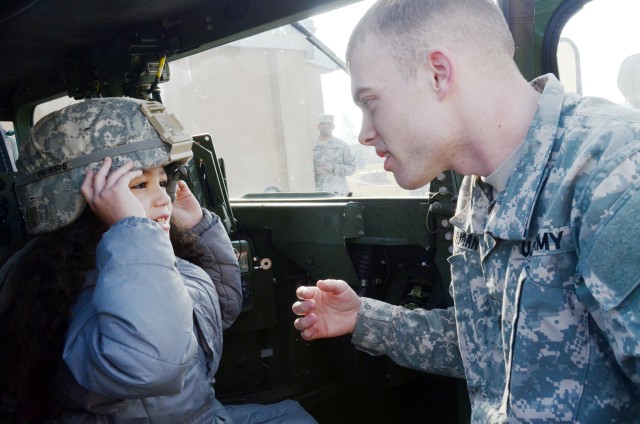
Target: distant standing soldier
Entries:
(333, 160)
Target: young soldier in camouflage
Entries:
(545, 268)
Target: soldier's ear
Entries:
(441, 67)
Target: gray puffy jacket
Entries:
(145, 337)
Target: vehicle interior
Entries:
(247, 78)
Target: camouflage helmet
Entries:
(62, 145)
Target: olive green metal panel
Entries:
(543, 13)
(312, 235)
(520, 17)
(528, 21)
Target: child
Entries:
(114, 312)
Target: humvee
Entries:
(247, 78)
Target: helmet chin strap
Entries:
(174, 172)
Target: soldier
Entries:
(545, 268)
(333, 160)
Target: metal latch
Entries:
(170, 129)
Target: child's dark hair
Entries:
(45, 284)
(185, 243)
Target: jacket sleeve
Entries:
(348, 162)
(220, 262)
(132, 336)
(425, 340)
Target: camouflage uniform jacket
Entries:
(336, 154)
(545, 277)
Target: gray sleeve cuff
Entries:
(373, 321)
(205, 223)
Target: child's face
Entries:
(151, 191)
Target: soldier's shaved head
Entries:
(409, 26)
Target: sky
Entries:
(605, 31)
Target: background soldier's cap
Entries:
(325, 118)
(62, 145)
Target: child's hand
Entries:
(186, 208)
(108, 194)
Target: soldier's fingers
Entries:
(308, 333)
(304, 293)
(303, 307)
(333, 286)
(305, 323)
(307, 326)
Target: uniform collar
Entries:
(511, 221)
(499, 178)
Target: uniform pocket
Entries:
(551, 345)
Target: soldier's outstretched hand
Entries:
(329, 309)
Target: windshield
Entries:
(261, 100)
(593, 46)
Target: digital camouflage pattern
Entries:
(338, 157)
(545, 277)
(60, 147)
